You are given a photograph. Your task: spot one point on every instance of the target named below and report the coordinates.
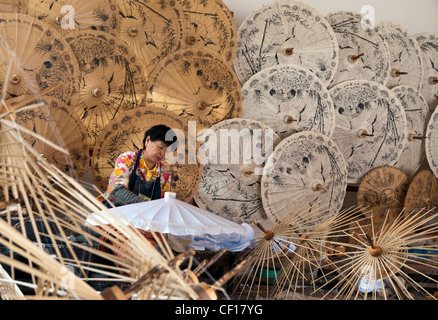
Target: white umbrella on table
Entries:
(287, 32)
(172, 216)
(428, 43)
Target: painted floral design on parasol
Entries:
(34, 57)
(289, 99)
(196, 85)
(432, 142)
(417, 116)
(209, 24)
(112, 79)
(407, 66)
(363, 52)
(428, 43)
(286, 32)
(305, 172)
(422, 191)
(153, 29)
(65, 16)
(370, 126)
(230, 186)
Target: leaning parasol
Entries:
(407, 66)
(432, 142)
(289, 99)
(305, 172)
(65, 16)
(363, 52)
(370, 126)
(34, 57)
(153, 29)
(230, 186)
(422, 191)
(417, 116)
(197, 85)
(428, 43)
(112, 79)
(209, 24)
(126, 133)
(286, 32)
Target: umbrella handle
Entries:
(433, 80)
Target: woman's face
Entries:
(154, 151)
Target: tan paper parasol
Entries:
(370, 126)
(422, 191)
(407, 66)
(428, 43)
(432, 142)
(417, 116)
(153, 29)
(126, 133)
(209, 24)
(34, 57)
(233, 155)
(363, 52)
(305, 172)
(289, 99)
(65, 16)
(197, 85)
(286, 32)
(55, 122)
(112, 79)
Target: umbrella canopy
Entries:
(370, 126)
(112, 79)
(54, 121)
(152, 29)
(126, 133)
(417, 116)
(209, 24)
(289, 99)
(197, 85)
(230, 187)
(432, 142)
(13, 6)
(34, 57)
(422, 191)
(306, 173)
(67, 15)
(407, 67)
(428, 43)
(286, 32)
(363, 52)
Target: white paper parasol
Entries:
(428, 43)
(363, 52)
(407, 67)
(417, 116)
(289, 99)
(230, 187)
(432, 142)
(286, 32)
(306, 172)
(370, 126)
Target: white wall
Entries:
(415, 15)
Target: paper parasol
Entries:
(417, 116)
(428, 43)
(33, 57)
(422, 191)
(407, 67)
(112, 79)
(432, 142)
(126, 133)
(65, 16)
(363, 53)
(370, 126)
(289, 99)
(234, 153)
(152, 29)
(209, 24)
(306, 171)
(55, 122)
(197, 85)
(286, 32)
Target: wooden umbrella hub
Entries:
(59, 18)
(363, 134)
(202, 105)
(132, 31)
(375, 250)
(398, 73)
(289, 51)
(319, 187)
(413, 137)
(289, 119)
(434, 80)
(355, 58)
(191, 40)
(97, 92)
(247, 172)
(15, 79)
